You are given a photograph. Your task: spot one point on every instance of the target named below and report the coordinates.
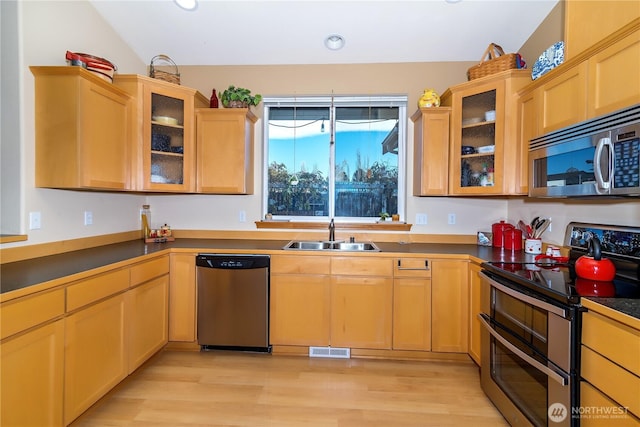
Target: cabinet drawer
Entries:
(96, 288)
(292, 264)
(615, 341)
(145, 271)
(23, 313)
(357, 266)
(412, 267)
(591, 397)
(614, 381)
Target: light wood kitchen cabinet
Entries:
(431, 151)
(528, 128)
(300, 301)
(32, 360)
(475, 326)
(492, 169)
(610, 359)
(182, 297)
(613, 76)
(82, 131)
(449, 306)
(147, 310)
(600, 80)
(361, 302)
(95, 354)
(587, 22)
(224, 140)
(562, 101)
(412, 304)
(163, 133)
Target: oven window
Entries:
(525, 385)
(526, 322)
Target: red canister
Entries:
(513, 239)
(498, 229)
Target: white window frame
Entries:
(334, 101)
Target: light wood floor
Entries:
(240, 389)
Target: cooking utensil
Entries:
(592, 266)
(523, 227)
(541, 227)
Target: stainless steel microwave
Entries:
(598, 157)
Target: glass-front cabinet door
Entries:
(164, 141)
(164, 160)
(486, 151)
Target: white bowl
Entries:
(490, 116)
(165, 119)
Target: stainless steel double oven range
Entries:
(531, 317)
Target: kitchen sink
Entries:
(302, 245)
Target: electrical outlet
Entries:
(451, 219)
(421, 219)
(88, 217)
(35, 221)
(242, 216)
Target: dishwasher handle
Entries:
(232, 262)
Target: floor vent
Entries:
(337, 353)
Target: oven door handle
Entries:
(526, 298)
(560, 377)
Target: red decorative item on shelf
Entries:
(213, 103)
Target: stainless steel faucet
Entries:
(332, 231)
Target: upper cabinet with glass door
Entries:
(486, 156)
(164, 133)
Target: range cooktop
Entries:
(557, 280)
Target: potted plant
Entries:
(239, 97)
(384, 216)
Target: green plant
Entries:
(239, 95)
(384, 216)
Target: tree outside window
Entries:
(334, 157)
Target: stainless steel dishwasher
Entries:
(233, 302)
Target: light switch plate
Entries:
(35, 221)
(421, 219)
(88, 217)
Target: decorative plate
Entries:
(550, 59)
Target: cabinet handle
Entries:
(426, 266)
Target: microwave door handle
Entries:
(602, 185)
(560, 377)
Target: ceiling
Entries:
(266, 32)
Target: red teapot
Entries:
(592, 266)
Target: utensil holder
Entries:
(533, 246)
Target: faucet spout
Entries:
(332, 231)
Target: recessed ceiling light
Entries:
(334, 42)
(187, 4)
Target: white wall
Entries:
(47, 30)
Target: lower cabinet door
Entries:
(300, 309)
(361, 312)
(148, 319)
(412, 314)
(95, 358)
(31, 366)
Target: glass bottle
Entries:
(145, 218)
(213, 102)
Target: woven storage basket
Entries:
(161, 74)
(493, 61)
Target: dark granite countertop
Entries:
(22, 274)
(628, 306)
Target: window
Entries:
(339, 157)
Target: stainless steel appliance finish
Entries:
(527, 362)
(233, 302)
(531, 314)
(598, 157)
